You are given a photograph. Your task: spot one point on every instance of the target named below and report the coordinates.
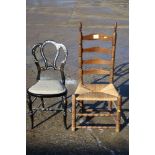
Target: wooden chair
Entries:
(47, 86)
(97, 92)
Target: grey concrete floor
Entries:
(59, 20)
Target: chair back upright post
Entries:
(111, 62)
(114, 37)
(80, 54)
(36, 59)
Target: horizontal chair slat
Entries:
(93, 110)
(96, 115)
(96, 71)
(97, 37)
(98, 127)
(97, 61)
(98, 49)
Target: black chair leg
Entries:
(42, 102)
(65, 111)
(30, 110)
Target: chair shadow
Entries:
(120, 72)
(52, 115)
(47, 119)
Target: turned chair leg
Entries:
(30, 110)
(118, 115)
(65, 111)
(73, 113)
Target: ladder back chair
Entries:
(48, 87)
(97, 92)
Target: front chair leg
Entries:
(118, 115)
(73, 112)
(65, 111)
(30, 109)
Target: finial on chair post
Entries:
(80, 27)
(114, 34)
(115, 27)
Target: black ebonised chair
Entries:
(47, 86)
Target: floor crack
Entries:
(100, 146)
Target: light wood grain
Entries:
(96, 71)
(97, 92)
(103, 37)
(97, 61)
(98, 49)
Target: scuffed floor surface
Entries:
(59, 20)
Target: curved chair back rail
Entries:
(47, 65)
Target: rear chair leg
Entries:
(118, 116)
(73, 113)
(30, 110)
(65, 111)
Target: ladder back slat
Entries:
(96, 71)
(97, 37)
(98, 49)
(97, 61)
